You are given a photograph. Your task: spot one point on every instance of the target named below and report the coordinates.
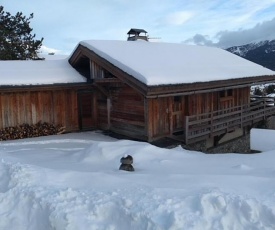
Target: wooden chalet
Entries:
(139, 89)
(148, 91)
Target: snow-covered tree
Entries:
(16, 39)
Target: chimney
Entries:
(134, 34)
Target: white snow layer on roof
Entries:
(166, 63)
(38, 72)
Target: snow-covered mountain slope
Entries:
(262, 53)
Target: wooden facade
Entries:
(113, 100)
(167, 115)
(116, 106)
(30, 105)
(126, 106)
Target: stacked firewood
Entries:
(27, 131)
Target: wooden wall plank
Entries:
(6, 110)
(74, 111)
(34, 107)
(3, 105)
(46, 100)
(1, 112)
(28, 108)
(12, 116)
(68, 110)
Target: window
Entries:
(177, 99)
(107, 74)
(222, 93)
(226, 93)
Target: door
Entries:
(226, 100)
(86, 110)
(177, 114)
(164, 116)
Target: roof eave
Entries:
(119, 73)
(56, 86)
(210, 86)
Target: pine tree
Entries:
(258, 91)
(270, 89)
(16, 39)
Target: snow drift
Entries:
(72, 181)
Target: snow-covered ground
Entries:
(72, 181)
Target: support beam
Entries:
(109, 112)
(102, 90)
(91, 70)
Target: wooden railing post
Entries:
(242, 111)
(186, 129)
(208, 124)
(264, 107)
(109, 112)
(211, 129)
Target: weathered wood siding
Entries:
(166, 115)
(207, 102)
(102, 115)
(158, 117)
(53, 106)
(87, 109)
(127, 112)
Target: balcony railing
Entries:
(199, 127)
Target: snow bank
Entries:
(262, 139)
(72, 182)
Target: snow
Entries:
(262, 139)
(155, 63)
(53, 56)
(38, 72)
(72, 181)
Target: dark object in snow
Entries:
(128, 160)
(126, 167)
(126, 163)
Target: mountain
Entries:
(262, 53)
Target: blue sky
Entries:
(222, 23)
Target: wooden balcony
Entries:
(200, 127)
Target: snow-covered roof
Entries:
(38, 72)
(155, 63)
(53, 56)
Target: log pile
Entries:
(27, 131)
